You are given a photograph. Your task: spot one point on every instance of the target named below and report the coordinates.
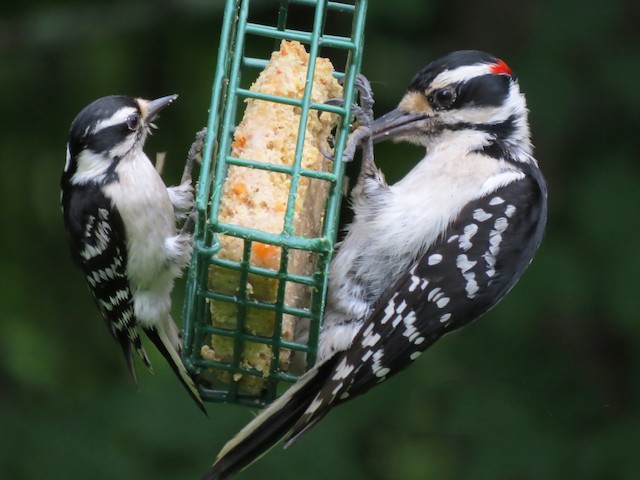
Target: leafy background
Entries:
(545, 386)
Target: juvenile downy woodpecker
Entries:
(120, 220)
(425, 256)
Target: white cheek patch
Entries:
(124, 147)
(488, 115)
(117, 118)
(90, 166)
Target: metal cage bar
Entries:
(227, 93)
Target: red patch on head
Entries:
(500, 68)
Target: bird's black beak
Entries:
(398, 124)
(154, 106)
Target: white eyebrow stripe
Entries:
(117, 118)
(460, 74)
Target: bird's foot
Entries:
(363, 113)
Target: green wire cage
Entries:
(331, 29)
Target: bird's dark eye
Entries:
(444, 98)
(132, 122)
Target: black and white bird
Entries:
(425, 256)
(120, 220)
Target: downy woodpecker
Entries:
(425, 256)
(120, 220)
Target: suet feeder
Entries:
(222, 299)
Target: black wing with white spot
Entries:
(480, 257)
(96, 240)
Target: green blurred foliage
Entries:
(546, 386)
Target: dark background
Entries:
(546, 386)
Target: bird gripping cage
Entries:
(219, 288)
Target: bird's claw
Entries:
(185, 189)
(194, 155)
(362, 112)
(189, 224)
(336, 102)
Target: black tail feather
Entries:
(260, 435)
(128, 357)
(176, 365)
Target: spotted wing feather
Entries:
(461, 276)
(96, 240)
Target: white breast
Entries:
(406, 220)
(141, 197)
